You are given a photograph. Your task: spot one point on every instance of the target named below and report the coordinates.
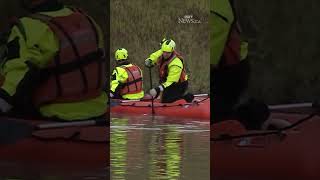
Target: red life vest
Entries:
(163, 67)
(134, 82)
(76, 72)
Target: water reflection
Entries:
(118, 146)
(146, 148)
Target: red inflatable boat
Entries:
(56, 144)
(293, 153)
(200, 109)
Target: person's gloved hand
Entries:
(148, 63)
(4, 106)
(111, 94)
(155, 92)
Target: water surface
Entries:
(144, 147)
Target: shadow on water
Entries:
(144, 147)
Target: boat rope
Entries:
(224, 137)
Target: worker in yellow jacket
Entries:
(127, 80)
(172, 74)
(228, 54)
(54, 65)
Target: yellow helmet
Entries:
(168, 46)
(121, 54)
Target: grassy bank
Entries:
(140, 25)
(284, 38)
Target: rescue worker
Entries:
(228, 54)
(55, 64)
(172, 74)
(127, 80)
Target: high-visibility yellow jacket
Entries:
(36, 43)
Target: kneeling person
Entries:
(126, 81)
(172, 74)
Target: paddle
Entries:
(12, 130)
(290, 106)
(93, 122)
(152, 99)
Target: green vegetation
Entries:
(284, 44)
(140, 25)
